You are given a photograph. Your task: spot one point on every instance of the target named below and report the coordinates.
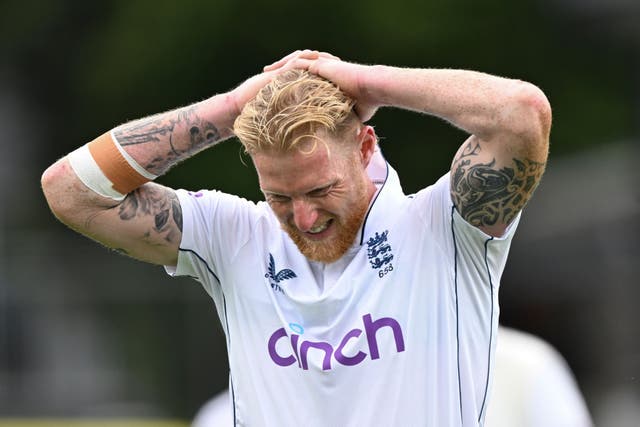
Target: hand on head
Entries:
(299, 59)
(347, 76)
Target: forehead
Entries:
(300, 171)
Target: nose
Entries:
(305, 215)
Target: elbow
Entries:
(55, 182)
(49, 182)
(68, 198)
(533, 114)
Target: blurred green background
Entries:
(87, 333)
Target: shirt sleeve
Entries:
(475, 261)
(459, 238)
(215, 226)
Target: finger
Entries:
(278, 63)
(328, 56)
(307, 54)
(298, 63)
(282, 61)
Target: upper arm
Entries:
(146, 225)
(494, 176)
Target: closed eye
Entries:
(320, 192)
(277, 198)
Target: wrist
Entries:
(223, 109)
(374, 84)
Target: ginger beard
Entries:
(345, 230)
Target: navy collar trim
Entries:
(375, 198)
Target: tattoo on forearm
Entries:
(160, 203)
(485, 195)
(164, 128)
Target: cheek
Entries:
(339, 207)
(280, 211)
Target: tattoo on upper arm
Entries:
(485, 195)
(176, 210)
(160, 203)
(202, 133)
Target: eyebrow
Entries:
(316, 189)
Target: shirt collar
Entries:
(389, 194)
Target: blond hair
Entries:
(295, 106)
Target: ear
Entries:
(367, 144)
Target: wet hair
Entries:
(294, 107)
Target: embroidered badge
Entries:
(379, 253)
(276, 278)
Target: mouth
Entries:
(320, 230)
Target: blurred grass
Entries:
(65, 422)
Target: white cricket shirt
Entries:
(399, 332)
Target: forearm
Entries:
(88, 190)
(480, 104)
(146, 225)
(159, 142)
(496, 170)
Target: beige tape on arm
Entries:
(123, 175)
(107, 169)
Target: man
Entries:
(344, 302)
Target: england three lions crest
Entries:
(379, 253)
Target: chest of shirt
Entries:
(394, 274)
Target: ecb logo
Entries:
(379, 253)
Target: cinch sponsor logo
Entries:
(300, 348)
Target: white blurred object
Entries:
(533, 386)
(216, 412)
